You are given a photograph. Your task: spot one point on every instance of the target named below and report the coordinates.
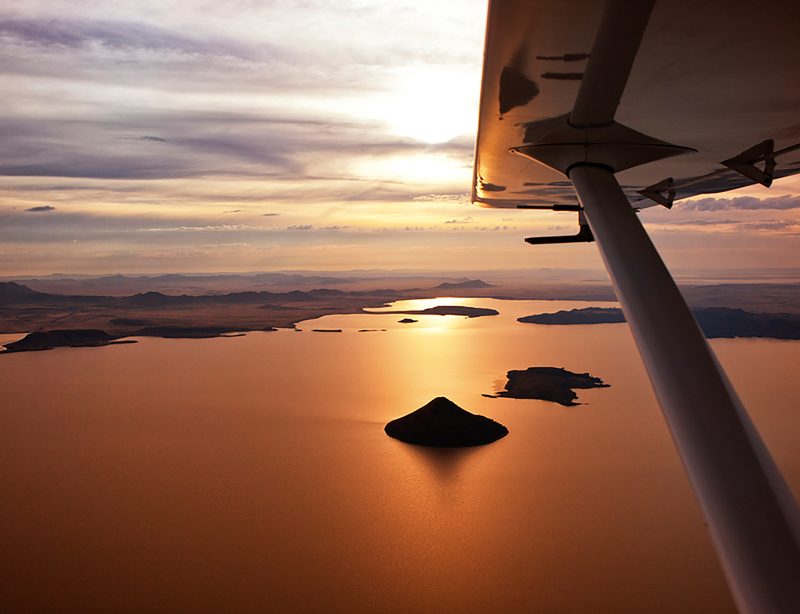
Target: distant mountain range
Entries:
(470, 283)
(179, 283)
(12, 293)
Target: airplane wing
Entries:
(716, 77)
(608, 107)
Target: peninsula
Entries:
(48, 340)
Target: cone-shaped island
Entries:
(443, 424)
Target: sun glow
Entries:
(432, 169)
(428, 103)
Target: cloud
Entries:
(742, 203)
(443, 198)
(41, 209)
(233, 211)
(300, 227)
(119, 35)
(270, 214)
(732, 225)
(463, 220)
(774, 225)
(207, 228)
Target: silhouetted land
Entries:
(48, 340)
(448, 310)
(548, 384)
(185, 332)
(407, 321)
(441, 423)
(202, 313)
(716, 322)
(587, 315)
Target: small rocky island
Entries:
(76, 338)
(407, 321)
(548, 384)
(443, 424)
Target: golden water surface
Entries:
(252, 474)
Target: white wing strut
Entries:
(751, 514)
(749, 509)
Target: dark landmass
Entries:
(407, 321)
(157, 314)
(443, 424)
(200, 312)
(716, 322)
(326, 330)
(269, 329)
(720, 322)
(548, 384)
(130, 322)
(51, 339)
(448, 310)
(372, 330)
(187, 332)
(587, 315)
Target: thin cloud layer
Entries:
(148, 127)
(126, 35)
(742, 203)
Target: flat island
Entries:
(587, 315)
(716, 322)
(548, 384)
(443, 424)
(446, 310)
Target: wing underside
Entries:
(732, 94)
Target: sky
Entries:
(251, 135)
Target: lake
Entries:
(252, 473)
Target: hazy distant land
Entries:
(716, 322)
(192, 306)
(548, 384)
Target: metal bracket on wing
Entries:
(584, 235)
(745, 162)
(662, 192)
(614, 146)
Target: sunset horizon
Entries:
(486, 306)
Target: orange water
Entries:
(252, 474)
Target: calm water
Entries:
(252, 474)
